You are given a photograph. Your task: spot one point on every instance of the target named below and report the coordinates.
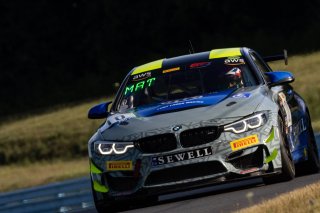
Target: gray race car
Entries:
(199, 119)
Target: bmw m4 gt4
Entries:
(196, 120)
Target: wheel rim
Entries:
(287, 149)
(291, 164)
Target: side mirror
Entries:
(279, 77)
(99, 111)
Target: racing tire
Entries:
(103, 206)
(312, 165)
(288, 170)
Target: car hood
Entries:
(211, 109)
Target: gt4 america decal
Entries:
(181, 156)
(116, 119)
(242, 95)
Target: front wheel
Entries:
(106, 206)
(288, 170)
(103, 205)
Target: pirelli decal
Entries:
(244, 142)
(119, 166)
(224, 53)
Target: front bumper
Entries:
(209, 163)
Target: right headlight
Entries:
(246, 124)
(112, 148)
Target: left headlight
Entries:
(246, 124)
(112, 148)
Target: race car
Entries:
(199, 119)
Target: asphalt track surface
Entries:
(221, 198)
(75, 196)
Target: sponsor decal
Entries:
(242, 95)
(182, 100)
(180, 104)
(285, 110)
(182, 156)
(119, 166)
(171, 70)
(299, 127)
(244, 142)
(139, 86)
(117, 119)
(234, 61)
(141, 76)
(199, 65)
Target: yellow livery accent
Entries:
(272, 156)
(270, 137)
(244, 142)
(119, 165)
(99, 188)
(148, 67)
(94, 169)
(223, 53)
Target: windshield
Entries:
(194, 79)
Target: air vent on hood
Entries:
(231, 103)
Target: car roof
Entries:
(186, 59)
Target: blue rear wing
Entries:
(278, 57)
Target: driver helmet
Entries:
(234, 76)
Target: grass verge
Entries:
(14, 177)
(306, 70)
(60, 134)
(306, 199)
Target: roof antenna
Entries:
(191, 50)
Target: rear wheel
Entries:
(312, 165)
(288, 168)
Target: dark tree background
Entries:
(55, 52)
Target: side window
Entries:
(260, 64)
